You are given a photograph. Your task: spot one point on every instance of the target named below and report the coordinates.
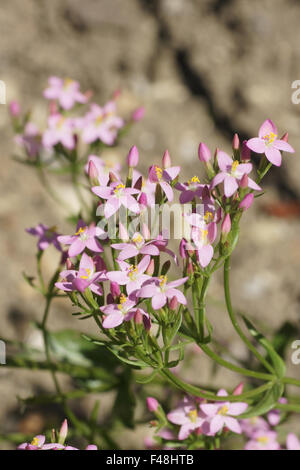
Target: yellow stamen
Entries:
(263, 439)
(119, 187)
(193, 180)
(235, 165)
(208, 217)
(133, 270)
(203, 234)
(137, 239)
(158, 171)
(35, 442)
(80, 231)
(68, 81)
(162, 280)
(123, 299)
(193, 415)
(270, 137)
(99, 119)
(223, 411)
(88, 271)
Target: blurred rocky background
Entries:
(203, 69)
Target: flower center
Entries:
(158, 171)
(263, 439)
(82, 233)
(60, 123)
(35, 442)
(138, 240)
(67, 82)
(193, 415)
(88, 272)
(203, 235)
(223, 411)
(119, 189)
(269, 138)
(234, 166)
(99, 119)
(208, 217)
(133, 271)
(162, 282)
(193, 181)
(123, 299)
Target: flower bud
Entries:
(150, 269)
(139, 183)
(236, 142)
(133, 157)
(190, 268)
(63, 432)
(285, 137)
(115, 289)
(244, 181)
(165, 268)
(112, 177)
(166, 160)
(182, 248)
(205, 193)
(116, 94)
(138, 114)
(239, 389)
(147, 323)
(110, 299)
(152, 404)
(246, 152)
(53, 108)
(14, 108)
(173, 303)
(204, 153)
(138, 317)
(143, 199)
(226, 225)
(247, 201)
(69, 264)
(93, 173)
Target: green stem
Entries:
(235, 322)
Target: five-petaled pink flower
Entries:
(231, 173)
(190, 190)
(65, 91)
(101, 123)
(85, 237)
(60, 130)
(263, 440)
(30, 139)
(292, 442)
(85, 277)
(164, 177)
(188, 416)
(131, 276)
(117, 195)
(136, 246)
(46, 236)
(124, 311)
(220, 414)
(268, 143)
(160, 291)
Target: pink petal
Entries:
(102, 192)
(117, 276)
(283, 146)
(205, 255)
(129, 202)
(178, 294)
(167, 190)
(178, 282)
(159, 300)
(224, 161)
(257, 145)
(236, 409)
(149, 250)
(177, 416)
(113, 320)
(216, 424)
(148, 291)
(274, 156)
(217, 180)
(86, 262)
(185, 431)
(143, 264)
(76, 248)
(128, 252)
(230, 185)
(232, 424)
(244, 168)
(111, 206)
(171, 173)
(210, 409)
(94, 245)
(253, 185)
(266, 128)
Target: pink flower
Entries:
(117, 195)
(131, 276)
(292, 442)
(164, 177)
(85, 277)
(30, 139)
(103, 167)
(65, 91)
(221, 414)
(189, 190)
(263, 440)
(152, 404)
(274, 415)
(268, 143)
(124, 311)
(187, 416)
(135, 247)
(46, 236)
(85, 237)
(231, 173)
(160, 291)
(101, 123)
(251, 425)
(60, 130)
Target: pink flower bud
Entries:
(246, 152)
(190, 268)
(88, 94)
(285, 137)
(173, 303)
(139, 183)
(138, 114)
(63, 432)
(53, 108)
(235, 142)
(147, 323)
(92, 171)
(116, 94)
(69, 264)
(113, 178)
(110, 299)
(150, 269)
(244, 181)
(204, 153)
(166, 160)
(182, 248)
(133, 157)
(226, 225)
(152, 404)
(247, 201)
(14, 108)
(205, 193)
(138, 317)
(115, 289)
(239, 389)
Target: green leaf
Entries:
(267, 403)
(277, 361)
(172, 330)
(146, 379)
(125, 402)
